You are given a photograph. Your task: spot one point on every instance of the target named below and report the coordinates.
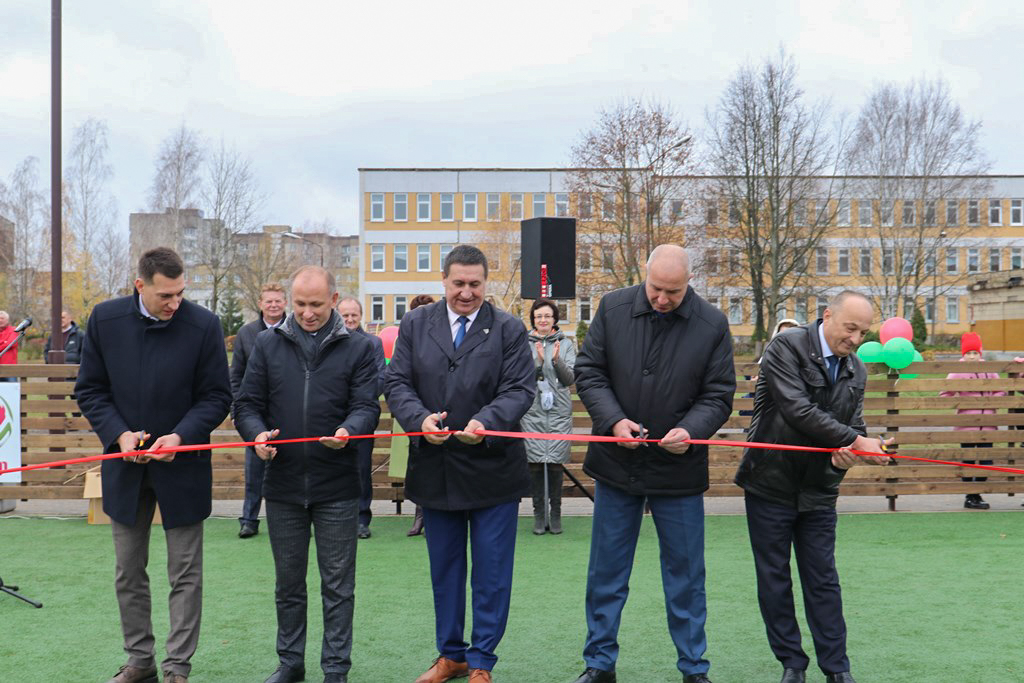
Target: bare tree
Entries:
(24, 205)
(264, 261)
(629, 182)
(915, 155)
(177, 182)
(775, 157)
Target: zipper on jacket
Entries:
(305, 432)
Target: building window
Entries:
(401, 306)
(843, 215)
(447, 207)
(585, 209)
(377, 309)
(887, 266)
(401, 258)
(676, 210)
(864, 212)
(469, 207)
(734, 212)
(973, 258)
(929, 213)
(951, 260)
(995, 212)
(951, 210)
(377, 258)
(562, 204)
(539, 204)
(584, 256)
(494, 262)
(563, 312)
(844, 261)
(423, 207)
(972, 212)
(800, 314)
(445, 250)
(952, 309)
(377, 207)
(885, 210)
(401, 207)
(929, 262)
(584, 309)
(908, 307)
(909, 214)
(608, 206)
(1015, 258)
(515, 206)
(608, 259)
(995, 259)
(735, 311)
(865, 261)
(734, 260)
(908, 259)
(821, 260)
(711, 213)
(423, 257)
(494, 206)
(929, 310)
(822, 305)
(1016, 212)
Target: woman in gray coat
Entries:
(554, 356)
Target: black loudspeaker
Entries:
(548, 257)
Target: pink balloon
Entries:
(388, 336)
(896, 327)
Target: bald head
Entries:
(668, 274)
(847, 319)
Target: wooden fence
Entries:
(908, 409)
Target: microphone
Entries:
(27, 322)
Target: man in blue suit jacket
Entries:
(463, 365)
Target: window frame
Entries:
(423, 200)
(419, 258)
(394, 257)
(404, 204)
(447, 198)
(534, 203)
(493, 201)
(466, 204)
(377, 202)
(382, 254)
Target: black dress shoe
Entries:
(592, 675)
(335, 678)
(364, 531)
(975, 502)
(286, 674)
(248, 530)
(793, 676)
(696, 678)
(843, 677)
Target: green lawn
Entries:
(929, 597)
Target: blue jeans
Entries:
(679, 521)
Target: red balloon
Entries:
(896, 327)
(388, 335)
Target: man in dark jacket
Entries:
(272, 309)
(461, 364)
(74, 338)
(351, 312)
(310, 377)
(154, 364)
(656, 362)
(810, 392)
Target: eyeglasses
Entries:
(543, 317)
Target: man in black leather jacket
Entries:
(810, 392)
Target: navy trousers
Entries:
(774, 530)
(679, 521)
(364, 461)
(255, 469)
(491, 533)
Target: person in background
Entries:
(417, 521)
(551, 413)
(970, 351)
(7, 335)
(351, 312)
(272, 309)
(781, 326)
(74, 338)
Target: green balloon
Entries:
(917, 359)
(898, 353)
(870, 352)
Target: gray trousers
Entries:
(335, 528)
(185, 574)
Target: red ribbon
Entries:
(589, 438)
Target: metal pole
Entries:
(56, 187)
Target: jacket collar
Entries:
(441, 332)
(288, 328)
(642, 306)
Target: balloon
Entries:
(387, 337)
(870, 352)
(896, 328)
(917, 359)
(898, 353)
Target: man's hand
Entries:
(469, 435)
(165, 441)
(266, 452)
(129, 441)
(430, 424)
(627, 429)
(844, 458)
(675, 441)
(339, 440)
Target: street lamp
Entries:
(296, 236)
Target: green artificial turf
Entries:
(928, 597)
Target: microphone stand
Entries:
(13, 343)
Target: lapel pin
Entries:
(487, 330)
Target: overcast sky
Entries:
(313, 90)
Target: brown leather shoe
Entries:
(133, 674)
(444, 669)
(479, 676)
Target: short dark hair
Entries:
(163, 260)
(541, 303)
(420, 300)
(465, 255)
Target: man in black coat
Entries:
(461, 364)
(351, 312)
(272, 309)
(810, 392)
(310, 377)
(74, 338)
(657, 362)
(154, 364)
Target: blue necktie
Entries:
(833, 367)
(460, 334)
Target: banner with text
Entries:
(10, 431)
